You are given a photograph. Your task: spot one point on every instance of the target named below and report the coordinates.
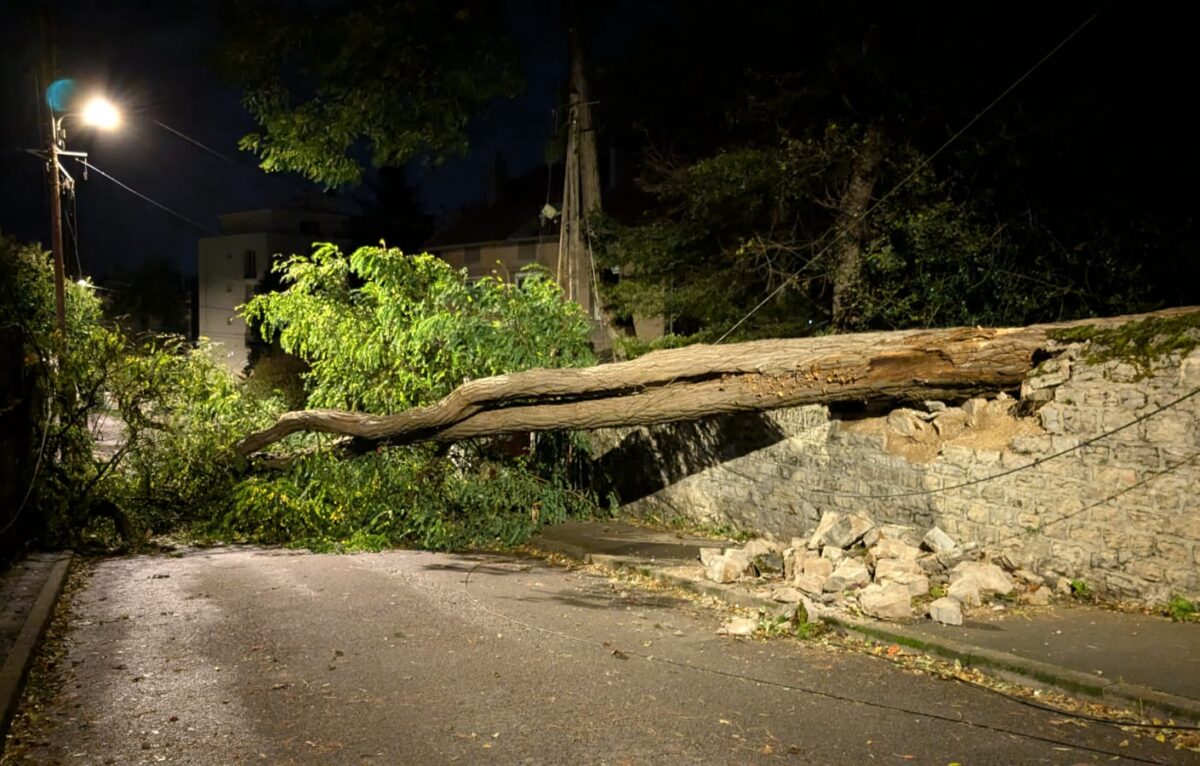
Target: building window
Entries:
(527, 252)
(310, 227)
(250, 265)
(472, 255)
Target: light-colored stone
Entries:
(950, 424)
(931, 564)
(892, 549)
(809, 583)
(888, 567)
(822, 567)
(708, 554)
(849, 573)
(1144, 548)
(938, 541)
(900, 532)
(965, 592)
(947, 611)
(815, 611)
(985, 577)
(760, 546)
(739, 626)
(975, 410)
(1039, 597)
(872, 537)
(1025, 575)
(1062, 586)
(886, 602)
(786, 595)
(917, 584)
(723, 569)
(911, 424)
(840, 530)
(789, 564)
(833, 554)
(829, 519)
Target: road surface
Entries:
(235, 656)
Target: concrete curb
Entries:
(16, 665)
(1008, 666)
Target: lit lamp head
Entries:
(100, 113)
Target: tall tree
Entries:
(358, 80)
(813, 115)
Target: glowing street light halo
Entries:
(100, 113)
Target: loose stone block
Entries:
(886, 602)
(947, 611)
(849, 573)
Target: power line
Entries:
(840, 234)
(87, 164)
(196, 143)
(920, 166)
(1009, 471)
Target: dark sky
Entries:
(1122, 99)
(154, 60)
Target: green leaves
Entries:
(383, 331)
(398, 80)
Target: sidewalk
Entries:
(1131, 660)
(29, 590)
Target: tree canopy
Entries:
(334, 87)
(809, 171)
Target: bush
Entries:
(409, 496)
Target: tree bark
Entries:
(701, 380)
(852, 231)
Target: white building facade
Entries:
(231, 264)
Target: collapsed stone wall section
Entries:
(1052, 518)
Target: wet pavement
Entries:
(250, 656)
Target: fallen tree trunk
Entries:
(701, 380)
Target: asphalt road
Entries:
(243, 656)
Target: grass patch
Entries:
(1180, 609)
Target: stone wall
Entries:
(1122, 513)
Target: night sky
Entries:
(1123, 88)
(155, 61)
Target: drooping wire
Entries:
(36, 466)
(88, 164)
(196, 143)
(839, 234)
(1015, 469)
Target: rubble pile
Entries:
(851, 565)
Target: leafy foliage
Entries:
(410, 496)
(763, 222)
(177, 411)
(400, 80)
(181, 411)
(383, 331)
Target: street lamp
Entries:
(98, 113)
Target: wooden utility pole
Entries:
(56, 237)
(581, 195)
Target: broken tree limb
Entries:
(701, 380)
